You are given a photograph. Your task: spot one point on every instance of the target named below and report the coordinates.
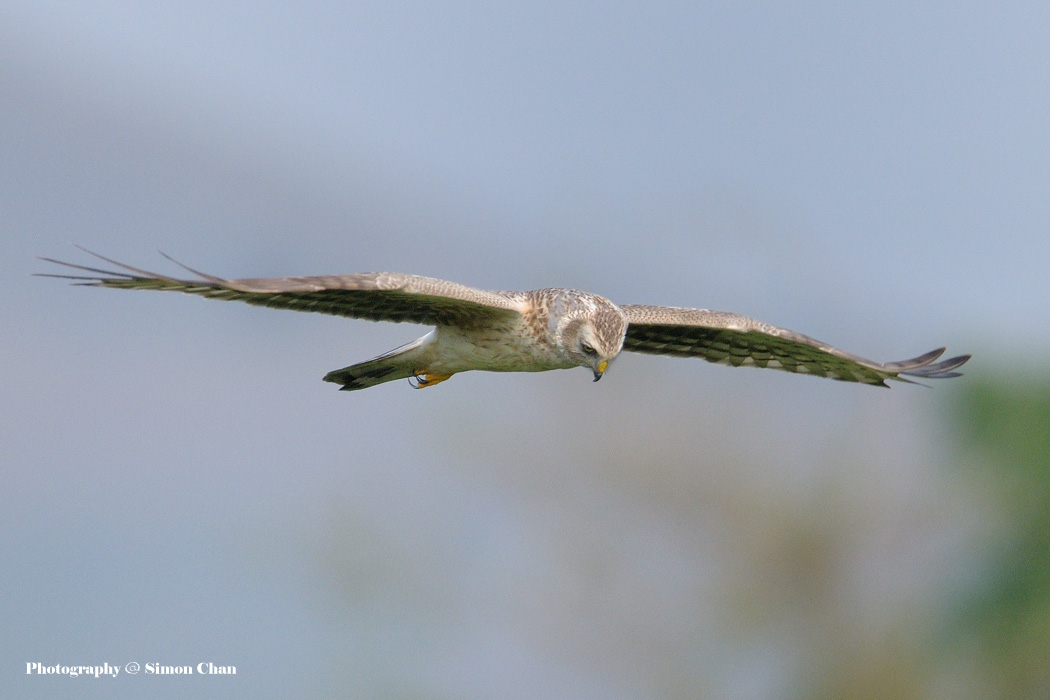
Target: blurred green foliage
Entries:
(1003, 425)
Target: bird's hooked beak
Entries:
(600, 368)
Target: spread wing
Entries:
(739, 341)
(376, 296)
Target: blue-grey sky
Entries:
(182, 487)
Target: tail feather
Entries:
(399, 363)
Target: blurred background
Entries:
(179, 486)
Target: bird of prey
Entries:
(526, 331)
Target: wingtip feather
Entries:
(924, 365)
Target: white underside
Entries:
(447, 350)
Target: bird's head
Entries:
(590, 331)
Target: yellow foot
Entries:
(425, 379)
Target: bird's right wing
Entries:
(376, 296)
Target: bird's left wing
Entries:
(735, 340)
(376, 296)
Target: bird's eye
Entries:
(587, 349)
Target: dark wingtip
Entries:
(924, 366)
(101, 275)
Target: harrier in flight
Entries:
(530, 331)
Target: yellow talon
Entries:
(426, 379)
